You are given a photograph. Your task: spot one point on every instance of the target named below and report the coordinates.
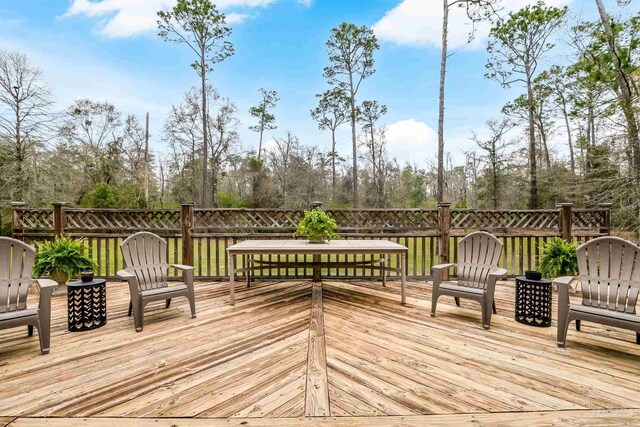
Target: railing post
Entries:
(317, 272)
(59, 219)
(444, 223)
(15, 217)
(186, 223)
(607, 218)
(566, 221)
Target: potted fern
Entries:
(317, 226)
(559, 258)
(61, 259)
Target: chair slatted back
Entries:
(609, 272)
(145, 255)
(16, 262)
(478, 255)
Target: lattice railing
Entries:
(122, 220)
(348, 220)
(476, 219)
(589, 219)
(36, 220)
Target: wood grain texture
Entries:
(583, 418)
(317, 391)
(385, 363)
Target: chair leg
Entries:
(487, 311)
(30, 330)
(434, 304)
(637, 337)
(138, 316)
(192, 305)
(167, 303)
(457, 301)
(495, 311)
(130, 309)
(563, 328)
(578, 324)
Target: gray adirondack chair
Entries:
(145, 259)
(16, 262)
(609, 275)
(477, 270)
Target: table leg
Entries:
(403, 269)
(383, 262)
(232, 274)
(248, 264)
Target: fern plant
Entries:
(316, 225)
(559, 258)
(62, 255)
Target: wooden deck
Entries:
(293, 353)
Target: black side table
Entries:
(533, 301)
(87, 304)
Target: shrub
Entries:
(316, 224)
(62, 254)
(559, 258)
(102, 195)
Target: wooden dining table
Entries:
(381, 248)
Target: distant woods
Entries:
(571, 134)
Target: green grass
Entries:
(106, 253)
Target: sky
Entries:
(108, 50)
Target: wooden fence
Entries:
(200, 237)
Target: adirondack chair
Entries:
(145, 259)
(16, 262)
(609, 275)
(477, 270)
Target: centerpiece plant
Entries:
(559, 258)
(61, 259)
(317, 226)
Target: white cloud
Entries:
(419, 23)
(126, 18)
(411, 141)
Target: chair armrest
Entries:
(563, 281)
(499, 273)
(124, 274)
(46, 284)
(182, 267)
(441, 267)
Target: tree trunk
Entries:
(533, 166)
(204, 197)
(354, 142)
(624, 93)
(261, 134)
(20, 158)
(333, 164)
(443, 70)
(572, 157)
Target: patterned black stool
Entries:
(533, 301)
(87, 304)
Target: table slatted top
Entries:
(304, 247)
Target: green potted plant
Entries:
(61, 259)
(559, 258)
(317, 226)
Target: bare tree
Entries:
(199, 25)
(476, 10)
(494, 146)
(24, 115)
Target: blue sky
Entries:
(108, 50)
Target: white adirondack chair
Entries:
(16, 262)
(145, 258)
(477, 270)
(609, 275)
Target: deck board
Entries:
(288, 354)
